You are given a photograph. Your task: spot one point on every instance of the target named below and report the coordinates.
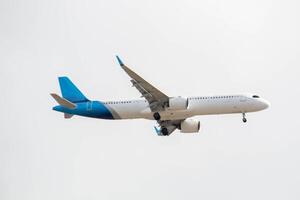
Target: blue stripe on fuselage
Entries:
(94, 109)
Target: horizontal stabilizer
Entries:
(63, 102)
(68, 116)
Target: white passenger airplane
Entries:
(171, 113)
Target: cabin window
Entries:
(255, 96)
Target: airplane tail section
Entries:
(68, 116)
(65, 103)
(69, 91)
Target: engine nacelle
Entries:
(178, 103)
(190, 126)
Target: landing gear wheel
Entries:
(244, 118)
(164, 131)
(156, 116)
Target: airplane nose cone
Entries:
(265, 104)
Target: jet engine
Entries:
(178, 103)
(190, 126)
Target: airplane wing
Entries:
(157, 100)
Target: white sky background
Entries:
(184, 48)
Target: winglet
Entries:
(157, 130)
(120, 61)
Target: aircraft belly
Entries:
(128, 111)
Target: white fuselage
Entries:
(203, 105)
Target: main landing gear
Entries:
(244, 118)
(156, 116)
(164, 131)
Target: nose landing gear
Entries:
(244, 118)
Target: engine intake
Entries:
(178, 103)
(190, 126)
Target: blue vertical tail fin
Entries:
(69, 91)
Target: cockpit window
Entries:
(255, 96)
